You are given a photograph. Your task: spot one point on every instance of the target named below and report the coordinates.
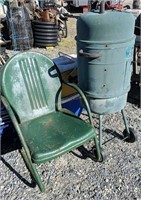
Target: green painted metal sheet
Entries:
(24, 78)
(105, 44)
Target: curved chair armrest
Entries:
(67, 111)
(15, 122)
(81, 93)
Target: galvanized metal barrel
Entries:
(105, 44)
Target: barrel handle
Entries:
(89, 55)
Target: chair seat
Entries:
(54, 134)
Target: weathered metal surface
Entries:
(26, 78)
(105, 54)
(31, 86)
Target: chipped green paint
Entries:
(31, 87)
(105, 54)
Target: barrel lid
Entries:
(112, 25)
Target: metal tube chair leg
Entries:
(98, 152)
(129, 133)
(33, 170)
(125, 121)
(46, 101)
(135, 60)
(100, 131)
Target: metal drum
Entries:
(105, 44)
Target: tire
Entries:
(129, 137)
(127, 7)
(48, 41)
(40, 26)
(53, 44)
(48, 37)
(37, 22)
(45, 33)
(63, 31)
(136, 4)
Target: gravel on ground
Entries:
(70, 177)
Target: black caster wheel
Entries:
(129, 138)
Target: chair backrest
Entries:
(30, 83)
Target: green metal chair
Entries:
(31, 93)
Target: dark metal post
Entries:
(102, 7)
(136, 4)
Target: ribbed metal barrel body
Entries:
(105, 44)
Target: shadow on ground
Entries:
(134, 95)
(10, 142)
(32, 184)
